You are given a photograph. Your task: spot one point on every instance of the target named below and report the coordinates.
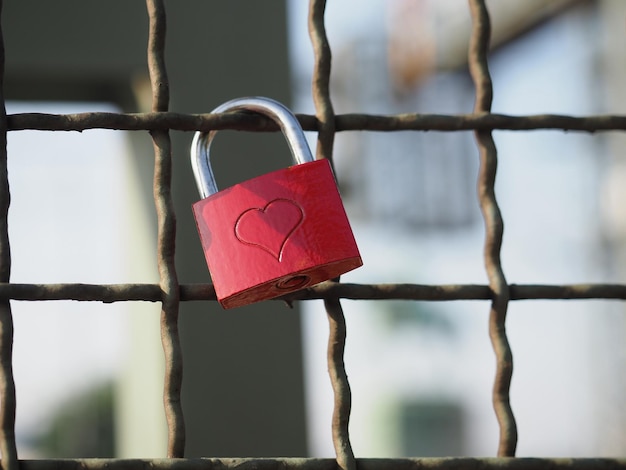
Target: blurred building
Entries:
(421, 374)
(242, 392)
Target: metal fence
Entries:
(170, 293)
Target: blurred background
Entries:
(89, 376)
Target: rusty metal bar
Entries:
(166, 222)
(494, 227)
(109, 293)
(342, 122)
(337, 324)
(321, 81)
(328, 464)
(8, 448)
(340, 384)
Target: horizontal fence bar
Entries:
(109, 293)
(343, 122)
(328, 464)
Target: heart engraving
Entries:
(269, 227)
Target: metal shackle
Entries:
(280, 114)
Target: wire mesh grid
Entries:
(170, 293)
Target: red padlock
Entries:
(276, 233)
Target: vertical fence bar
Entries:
(8, 446)
(321, 80)
(337, 335)
(166, 221)
(340, 384)
(494, 228)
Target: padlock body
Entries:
(275, 234)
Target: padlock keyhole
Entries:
(293, 282)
